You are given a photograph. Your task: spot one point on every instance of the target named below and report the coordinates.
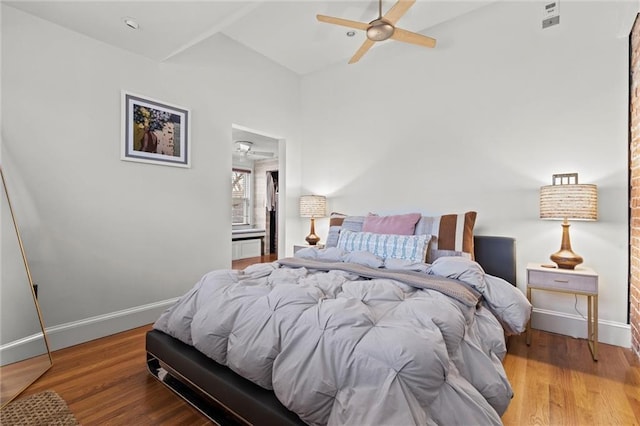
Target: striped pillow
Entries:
(407, 247)
(338, 222)
(452, 235)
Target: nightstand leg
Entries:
(595, 327)
(589, 319)
(529, 323)
(592, 327)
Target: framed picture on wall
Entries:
(155, 132)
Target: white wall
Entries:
(480, 123)
(110, 241)
(21, 337)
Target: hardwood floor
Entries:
(556, 382)
(105, 382)
(243, 263)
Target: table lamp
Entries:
(313, 206)
(565, 199)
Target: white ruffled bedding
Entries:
(343, 340)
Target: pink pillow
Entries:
(402, 224)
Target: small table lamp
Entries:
(566, 199)
(313, 206)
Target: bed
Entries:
(332, 337)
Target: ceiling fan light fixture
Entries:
(244, 146)
(380, 30)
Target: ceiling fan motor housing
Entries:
(379, 30)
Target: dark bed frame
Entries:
(229, 399)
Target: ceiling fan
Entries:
(382, 28)
(244, 148)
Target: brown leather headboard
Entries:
(497, 256)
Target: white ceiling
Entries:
(287, 32)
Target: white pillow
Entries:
(407, 247)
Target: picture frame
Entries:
(155, 132)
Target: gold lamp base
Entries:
(312, 239)
(565, 258)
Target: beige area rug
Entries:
(44, 408)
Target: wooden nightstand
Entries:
(582, 281)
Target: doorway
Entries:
(256, 196)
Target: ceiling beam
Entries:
(231, 19)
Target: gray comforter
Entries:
(356, 343)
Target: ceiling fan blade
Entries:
(344, 22)
(414, 38)
(398, 10)
(261, 153)
(363, 49)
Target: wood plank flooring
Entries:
(556, 382)
(105, 382)
(243, 263)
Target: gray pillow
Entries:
(336, 224)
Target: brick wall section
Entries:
(634, 202)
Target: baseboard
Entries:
(610, 332)
(21, 349)
(73, 333)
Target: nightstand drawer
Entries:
(562, 281)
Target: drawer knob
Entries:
(561, 281)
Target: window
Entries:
(240, 196)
